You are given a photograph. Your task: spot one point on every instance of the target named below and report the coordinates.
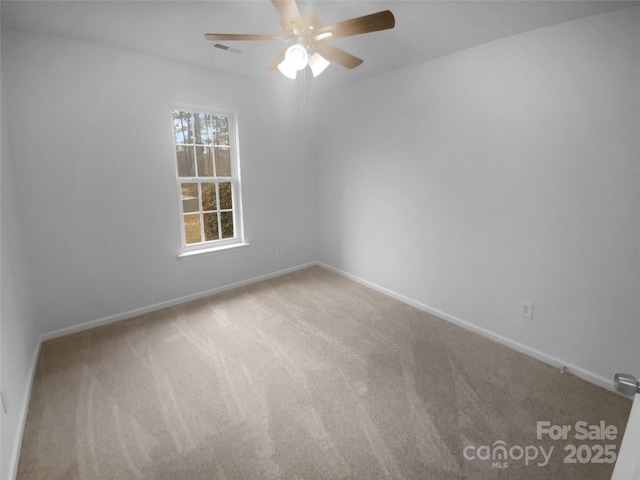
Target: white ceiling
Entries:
(174, 29)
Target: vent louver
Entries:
(227, 48)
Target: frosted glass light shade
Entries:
(295, 58)
(287, 70)
(318, 63)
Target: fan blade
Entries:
(237, 36)
(276, 61)
(334, 54)
(355, 26)
(288, 11)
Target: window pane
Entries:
(221, 128)
(208, 197)
(192, 229)
(225, 196)
(211, 227)
(206, 169)
(204, 156)
(202, 129)
(226, 221)
(186, 166)
(189, 197)
(223, 162)
(182, 123)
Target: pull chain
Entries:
(303, 88)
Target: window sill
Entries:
(191, 254)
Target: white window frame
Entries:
(221, 245)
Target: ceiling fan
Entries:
(308, 36)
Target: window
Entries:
(208, 179)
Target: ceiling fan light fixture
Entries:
(295, 58)
(287, 70)
(318, 64)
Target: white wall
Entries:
(506, 172)
(91, 141)
(90, 201)
(18, 328)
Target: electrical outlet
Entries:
(526, 310)
(3, 395)
(278, 249)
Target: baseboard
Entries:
(22, 416)
(542, 356)
(548, 359)
(579, 372)
(166, 304)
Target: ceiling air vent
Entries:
(227, 48)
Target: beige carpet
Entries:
(305, 376)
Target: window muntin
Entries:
(208, 177)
